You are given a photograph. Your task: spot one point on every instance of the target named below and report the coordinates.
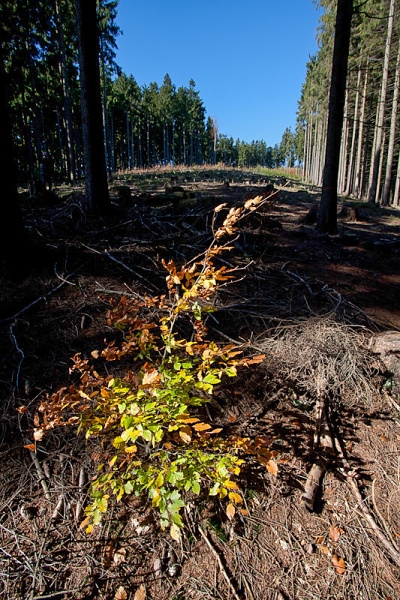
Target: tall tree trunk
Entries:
(359, 166)
(350, 174)
(391, 144)
(343, 148)
(376, 158)
(66, 98)
(396, 195)
(92, 120)
(327, 217)
(13, 241)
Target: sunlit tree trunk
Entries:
(351, 167)
(377, 153)
(327, 217)
(358, 166)
(391, 143)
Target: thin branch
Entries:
(221, 566)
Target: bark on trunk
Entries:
(327, 218)
(92, 121)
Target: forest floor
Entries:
(310, 303)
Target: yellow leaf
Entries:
(272, 467)
(219, 207)
(131, 449)
(335, 533)
(140, 593)
(120, 594)
(230, 511)
(175, 532)
(231, 485)
(339, 564)
(235, 497)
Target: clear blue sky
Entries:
(248, 58)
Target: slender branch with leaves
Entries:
(153, 439)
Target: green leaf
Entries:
(128, 487)
(196, 487)
(210, 378)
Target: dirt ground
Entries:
(310, 303)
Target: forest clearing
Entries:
(200, 335)
(310, 304)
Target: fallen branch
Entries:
(221, 566)
(42, 298)
(150, 289)
(42, 476)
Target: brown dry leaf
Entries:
(38, 434)
(324, 549)
(119, 556)
(201, 426)
(151, 377)
(272, 467)
(320, 539)
(21, 409)
(140, 593)
(36, 420)
(121, 594)
(244, 512)
(265, 452)
(335, 533)
(230, 511)
(31, 447)
(185, 434)
(187, 419)
(95, 354)
(108, 554)
(339, 564)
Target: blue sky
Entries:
(248, 59)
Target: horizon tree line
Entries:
(142, 126)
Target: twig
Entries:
(382, 520)
(394, 553)
(56, 594)
(14, 339)
(104, 290)
(78, 509)
(130, 271)
(221, 566)
(57, 512)
(53, 291)
(42, 476)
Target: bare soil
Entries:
(311, 303)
